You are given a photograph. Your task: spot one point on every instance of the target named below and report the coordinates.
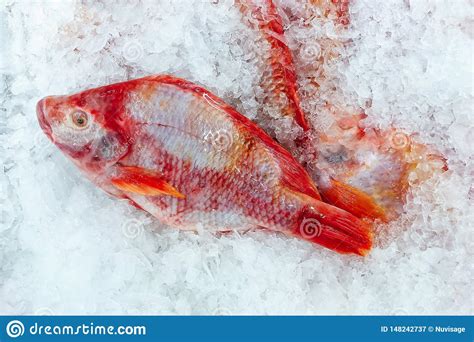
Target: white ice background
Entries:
(68, 248)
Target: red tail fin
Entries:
(334, 228)
(352, 200)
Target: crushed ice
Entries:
(66, 248)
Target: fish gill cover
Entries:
(67, 248)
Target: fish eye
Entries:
(80, 119)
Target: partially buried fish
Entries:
(189, 159)
(365, 170)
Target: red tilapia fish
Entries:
(177, 151)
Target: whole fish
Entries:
(180, 153)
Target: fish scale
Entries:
(205, 201)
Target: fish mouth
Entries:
(43, 122)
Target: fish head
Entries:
(91, 127)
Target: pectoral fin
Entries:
(143, 182)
